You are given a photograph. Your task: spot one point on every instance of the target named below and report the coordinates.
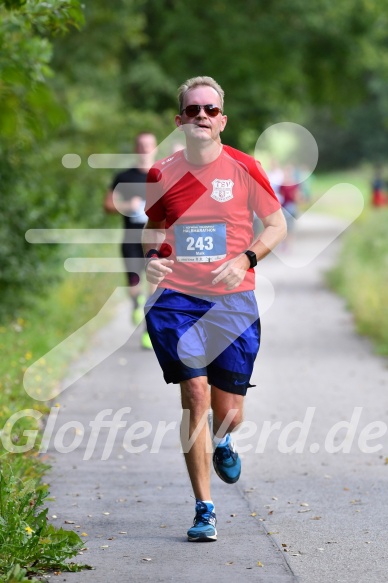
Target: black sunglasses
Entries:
(193, 110)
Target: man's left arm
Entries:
(275, 230)
(233, 271)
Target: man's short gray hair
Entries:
(198, 82)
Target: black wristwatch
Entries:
(252, 257)
(152, 253)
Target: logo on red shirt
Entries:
(222, 190)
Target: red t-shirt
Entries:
(208, 211)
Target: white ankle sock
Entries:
(220, 440)
(208, 502)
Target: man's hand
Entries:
(232, 272)
(157, 269)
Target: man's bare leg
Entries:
(223, 405)
(196, 403)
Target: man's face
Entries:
(146, 150)
(145, 144)
(202, 127)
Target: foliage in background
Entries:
(276, 60)
(28, 114)
(361, 275)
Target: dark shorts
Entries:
(213, 336)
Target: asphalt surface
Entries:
(310, 515)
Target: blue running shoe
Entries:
(204, 525)
(226, 462)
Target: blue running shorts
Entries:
(214, 336)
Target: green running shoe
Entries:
(146, 341)
(137, 316)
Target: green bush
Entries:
(28, 543)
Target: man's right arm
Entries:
(153, 236)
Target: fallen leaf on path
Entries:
(304, 504)
(260, 564)
(254, 514)
(69, 521)
(146, 559)
(123, 532)
(305, 510)
(229, 563)
(84, 534)
(315, 518)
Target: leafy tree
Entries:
(28, 112)
(274, 59)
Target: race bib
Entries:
(200, 243)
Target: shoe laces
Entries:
(203, 515)
(224, 452)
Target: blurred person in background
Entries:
(127, 197)
(379, 196)
(290, 196)
(275, 176)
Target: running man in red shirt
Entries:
(203, 319)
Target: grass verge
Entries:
(29, 545)
(320, 183)
(361, 275)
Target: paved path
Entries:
(308, 517)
